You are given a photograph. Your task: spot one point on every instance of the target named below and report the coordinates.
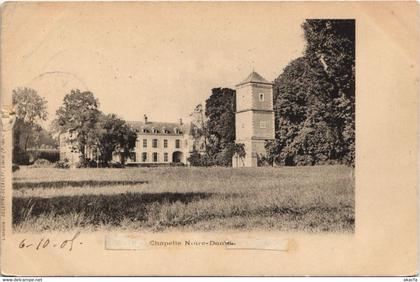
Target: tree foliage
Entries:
(223, 158)
(29, 106)
(91, 130)
(314, 99)
(199, 134)
(220, 126)
(115, 136)
(30, 109)
(79, 116)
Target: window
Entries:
(144, 143)
(133, 156)
(154, 143)
(144, 157)
(165, 157)
(261, 96)
(154, 130)
(177, 143)
(263, 124)
(176, 130)
(155, 157)
(165, 143)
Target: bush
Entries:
(196, 159)
(86, 163)
(52, 155)
(263, 160)
(177, 164)
(62, 164)
(15, 167)
(116, 165)
(20, 157)
(42, 163)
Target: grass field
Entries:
(309, 199)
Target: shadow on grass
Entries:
(75, 183)
(111, 209)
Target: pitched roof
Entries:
(160, 127)
(254, 77)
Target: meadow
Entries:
(301, 199)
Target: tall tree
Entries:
(331, 43)
(198, 121)
(30, 109)
(220, 125)
(115, 136)
(314, 98)
(79, 117)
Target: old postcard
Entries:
(209, 138)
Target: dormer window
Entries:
(261, 97)
(144, 130)
(154, 130)
(176, 130)
(164, 130)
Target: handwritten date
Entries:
(47, 243)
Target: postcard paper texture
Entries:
(209, 138)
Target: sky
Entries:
(159, 59)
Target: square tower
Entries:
(254, 118)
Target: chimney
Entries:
(145, 118)
(180, 121)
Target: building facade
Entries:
(254, 118)
(165, 142)
(157, 143)
(161, 142)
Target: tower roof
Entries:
(254, 77)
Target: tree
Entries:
(220, 125)
(29, 106)
(115, 136)
(30, 109)
(79, 117)
(314, 99)
(238, 150)
(332, 44)
(199, 133)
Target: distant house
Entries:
(157, 143)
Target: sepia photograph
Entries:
(224, 127)
(189, 146)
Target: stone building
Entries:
(173, 142)
(161, 142)
(254, 119)
(157, 143)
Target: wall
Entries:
(243, 125)
(184, 147)
(267, 104)
(243, 98)
(268, 131)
